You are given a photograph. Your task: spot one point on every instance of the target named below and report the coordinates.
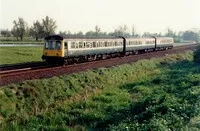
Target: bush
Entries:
(197, 55)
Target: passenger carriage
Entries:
(58, 48)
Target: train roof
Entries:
(62, 37)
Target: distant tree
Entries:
(122, 31)
(111, 34)
(90, 33)
(79, 34)
(49, 26)
(6, 33)
(133, 31)
(146, 34)
(170, 33)
(64, 33)
(37, 30)
(19, 28)
(191, 36)
(15, 33)
(103, 34)
(97, 30)
(69, 34)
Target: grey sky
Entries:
(83, 15)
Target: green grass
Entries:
(21, 42)
(156, 94)
(10, 55)
(14, 39)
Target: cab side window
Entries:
(46, 45)
(58, 45)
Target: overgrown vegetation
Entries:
(156, 94)
(10, 55)
(197, 55)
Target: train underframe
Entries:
(94, 57)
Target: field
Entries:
(156, 94)
(25, 39)
(10, 55)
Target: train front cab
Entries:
(53, 51)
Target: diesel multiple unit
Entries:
(58, 48)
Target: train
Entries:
(61, 49)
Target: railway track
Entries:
(21, 65)
(45, 71)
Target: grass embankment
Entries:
(156, 94)
(10, 55)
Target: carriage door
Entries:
(66, 48)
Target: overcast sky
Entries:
(83, 15)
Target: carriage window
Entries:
(110, 44)
(118, 43)
(115, 43)
(100, 44)
(73, 45)
(80, 44)
(94, 44)
(106, 44)
(88, 45)
(77, 44)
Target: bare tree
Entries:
(97, 30)
(37, 30)
(49, 26)
(19, 28)
(122, 31)
(170, 33)
(133, 31)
